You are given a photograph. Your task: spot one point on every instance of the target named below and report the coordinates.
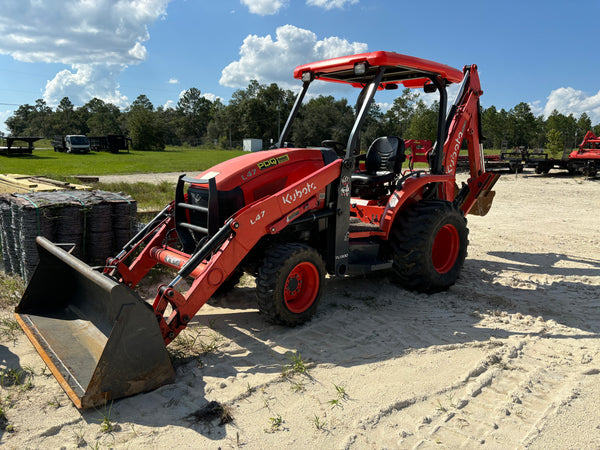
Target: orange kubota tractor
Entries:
(288, 216)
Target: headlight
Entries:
(360, 68)
(308, 76)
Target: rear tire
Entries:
(429, 246)
(288, 286)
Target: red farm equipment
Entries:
(288, 216)
(587, 158)
(417, 151)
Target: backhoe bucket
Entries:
(98, 337)
(483, 204)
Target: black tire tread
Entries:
(411, 231)
(270, 273)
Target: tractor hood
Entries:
(264, 173)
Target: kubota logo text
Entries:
(272, 162)
(455, 151)
(298, 193)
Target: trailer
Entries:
(536, 160)
(585, 160)
(10, 149)
(512, 161)
(109, 143)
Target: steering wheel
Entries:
(338, 147)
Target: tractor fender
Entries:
(410, 192)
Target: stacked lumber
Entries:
(12, 182)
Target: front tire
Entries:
(429, 245)
(289, 284)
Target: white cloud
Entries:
(84, 34)
(264, 7)
(208, 95)
(138, 52)
(330, 4)
(3, 116)
(173, 81)
(86, 82)
(273, 61)
(212, 97)
(78, 31)
(536, 107)
(384, 106)
(567, 100)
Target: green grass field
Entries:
(47, 162)
(63, 166)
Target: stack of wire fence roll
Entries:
(93, 224)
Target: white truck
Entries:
(71, 143)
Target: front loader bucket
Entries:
(98, 337)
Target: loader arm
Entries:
(464, 121)
(215, 261)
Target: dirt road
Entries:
(509, 357)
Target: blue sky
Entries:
(544, 53)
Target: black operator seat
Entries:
(383, 161)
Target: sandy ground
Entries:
(509, 357)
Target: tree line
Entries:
(260, 112)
